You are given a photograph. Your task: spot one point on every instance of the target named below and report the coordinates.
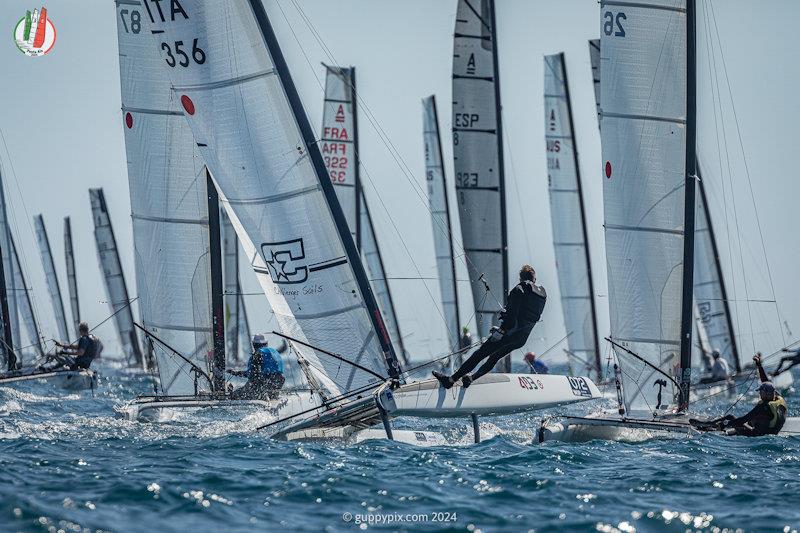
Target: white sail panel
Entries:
(113, 277)
(25, 304)
(169, 205)
(72, 280)
(248, 123)
(477, 155)
(644, 105)
(710, 298)
(594, 59)
(230, 273)
(51, 278)
(338, 143)
(9, 268)
(440, 219)
(373, 262)
(568, 223)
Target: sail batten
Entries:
(648, 217)
(53, 287)
(568, 216)
(439, 205)
(119, 301)
(254, 136)
(478, 159)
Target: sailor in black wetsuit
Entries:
(766, 418)
(524, 308)
(83, 352)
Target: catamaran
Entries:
(568, 216)
(253, 134)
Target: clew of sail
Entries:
(478, 158)
(440, 219)
(594, 59)
(114, 279)
(72, 280)
(569, 222)
(710, 297)
(247, 120)
(644, 142)
(169, 205)
(53, 287)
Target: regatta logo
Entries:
(35, 34)
(579, 387)
(283, 260)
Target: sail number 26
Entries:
(610, 19)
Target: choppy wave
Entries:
(69, 464)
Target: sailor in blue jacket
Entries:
(264, 373)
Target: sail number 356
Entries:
(612, 23)
(172, 59)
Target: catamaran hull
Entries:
(71, 380)
(165, 409)
(610, 426)
(492, 394)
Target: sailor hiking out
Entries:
(80, 355)
(524, 308)
(793, 359)
(264, 373)
(766, 418)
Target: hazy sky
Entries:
(60, 118)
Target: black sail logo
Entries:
(286, 261)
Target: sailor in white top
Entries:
(720, 369)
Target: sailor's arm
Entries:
(746, 418)
(510, 313)
(761, 374)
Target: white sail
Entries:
(569, 222)
(338, 143)
(247, 119)
(119, 302)
(169, 204)
(594, 59)
(234, 349)
(339, 146)
(478, 158)
(644, 143)
(9, 267)
(440, 220)
(72, 281)
(710, 297)
(53, 287)
(25, 304)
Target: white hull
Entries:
(492, 394)
(164, 409)
(610, 426)
(71, 380)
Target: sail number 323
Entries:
(612, 23)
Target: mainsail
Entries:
(648, 115)
(440, 219)
(478, 159)
(26, 305)
(169, 204)
(594, 59)
(9, 270)
(568, 217)
(53, 286)
(72, 281)
(710, 295)
(247, 120)
(339, 146)
(114, 279)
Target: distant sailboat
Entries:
(478, 161)
(72, 281)
(53, 287)
(119, 301)
(26, 305)
(339, 146)
(439, 205)
(568, 216)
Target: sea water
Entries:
(68, 464)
